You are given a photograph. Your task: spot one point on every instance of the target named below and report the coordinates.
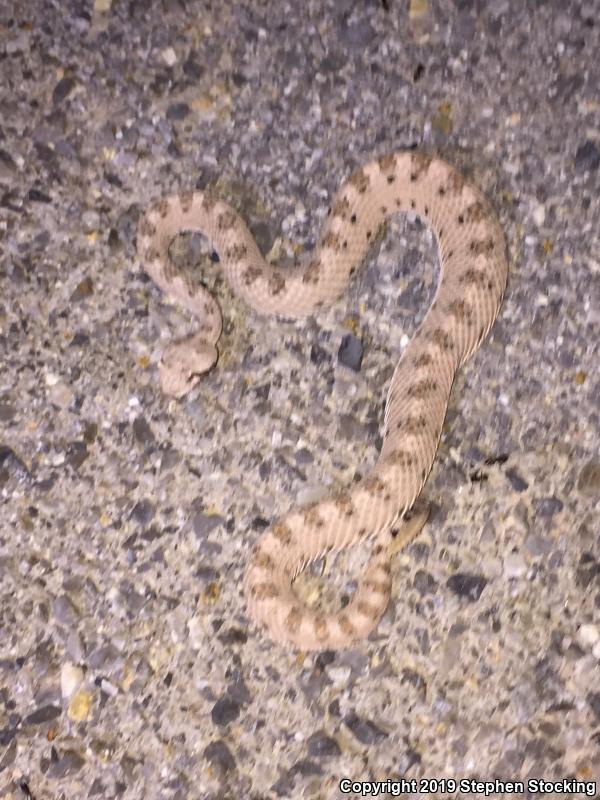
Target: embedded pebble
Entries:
(42, 715)
(71, 677)
(321, 745)
(339, 674)
(588, 156)
(169, 56)
(467, 585)
(351, 352)
(80, 707)
(365, 730)
(539, 215)
(65, 610)
(225, 710)
(515, 565)
(589, 479)
(517, 482)
(589, 635)
(220, 756)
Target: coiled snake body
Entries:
(472, 280)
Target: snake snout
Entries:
(183, 363)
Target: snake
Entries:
(377, 509)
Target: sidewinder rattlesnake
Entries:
(472, 281)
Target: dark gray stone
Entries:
(42, 715)
(587, 156)
(364, 730)
(467, 585)
(351, 352)
(225, 710)
(220, 756)
(322, 745)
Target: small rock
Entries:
(41, 715)
(196, 632)
(593, 699)
(80, 707)
(549, 506)
(12, 464)
(7, 412)
(537, 545)
(219, 756)
(322, 745)
(105, 658)
(76, 453)
(306, 767)
(62, 89)
(75, 647)
(192, 67)
(64, 610)
(225, 710)
(61, 395)
(424, 582)
(37, 196)
(515, 565)
(71, 677)
(418, 8)
(589, 635)
(587, 156)
(68, 763)
(516, 481)
(318, 354)
(338, 674)
(589, 479)
(143, 512)
(325, 658)
(364, 730)
(351, 352)
(169, 56)
(358, 35)
(203, 523)
(143, 432)
(178, 111)
(539, 215)
(467, 585)
(90, 222)
(7, 161)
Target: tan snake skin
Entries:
(472, 281)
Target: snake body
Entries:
(472, 280)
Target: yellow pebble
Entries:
(80, 706)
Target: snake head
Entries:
(183, 363)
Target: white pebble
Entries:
(71, 678)
(196, 632)
(338, 674)
(169, 56)
(589, 635)
(539, 215)
(515, 565)
(51, 379)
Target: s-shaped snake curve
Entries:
(472, 280)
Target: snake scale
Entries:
(472, 280)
